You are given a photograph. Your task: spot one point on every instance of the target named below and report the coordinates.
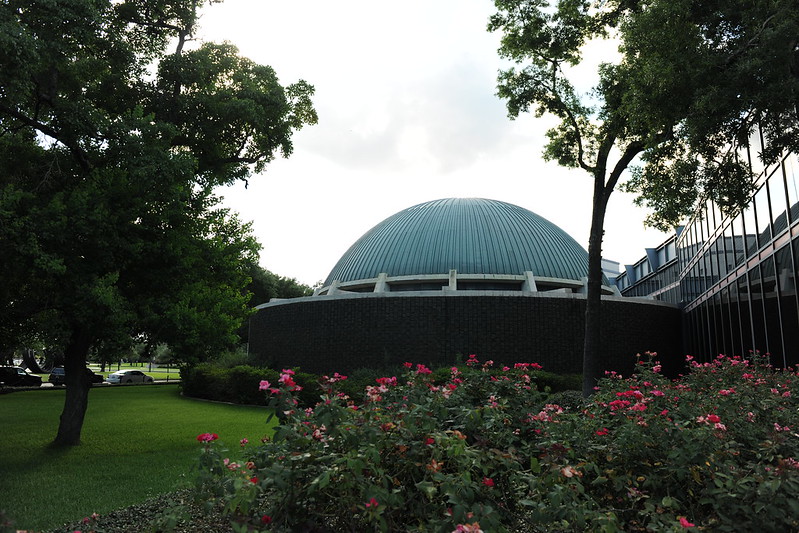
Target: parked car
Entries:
(57, 376)
(15, 376)
(129, 376)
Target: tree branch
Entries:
(77, 151)
(632, 150)
(571, 119)
(751, 42)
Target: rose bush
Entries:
(484, 450)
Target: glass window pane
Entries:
(682, 249)
(702, 270)
(772, 312)
(755, 149)
(750, 227)
(716, 328)
(763, 216)
(700, 231)
(779, 205)
(721, 257)
(789, 312)
(712, 267)
(693, 284)
(745, 310)
(703, 350)
(758, 317)
(791, 166)
(688, 333)
(729, 249)
(738, 239)
(735, 321)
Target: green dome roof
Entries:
(470, 235)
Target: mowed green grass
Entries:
(137, 442)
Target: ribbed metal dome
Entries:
(470, 235)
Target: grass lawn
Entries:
(136, 442)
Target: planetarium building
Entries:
(447, 278)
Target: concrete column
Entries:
(453, 281)
(333, 289)
(584, 288)
(382, 285)
(529, 282)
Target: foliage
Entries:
(110, 148)
(594, 132)
(231, 358)
(719, 73)
(688, 100)
(692, 78)
(238, 384)
(265, 285)
(716, 449)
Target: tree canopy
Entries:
(693, 80)
(115, 128)
(718, 74)
(265, 285)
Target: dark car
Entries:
(14, 376)
(57, 376)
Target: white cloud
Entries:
(407, 114)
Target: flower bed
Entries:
(484, 450)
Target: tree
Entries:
(110, 148)
(663, 102)
(265, 285)
(732, 69)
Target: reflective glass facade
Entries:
(735, 277)
(656, 275)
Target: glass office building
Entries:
(734, 277)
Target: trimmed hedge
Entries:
(240, 384)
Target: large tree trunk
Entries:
(593, 369)
(77, 383)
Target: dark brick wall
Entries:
(321, 334)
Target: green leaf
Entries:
(427, 488)
(322, 480)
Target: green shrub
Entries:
(233, 358)
(717, 449)
(235, 385)
(240, 384)
(357, 380)
(550, 382)
(221, 381)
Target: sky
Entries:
(408, 113)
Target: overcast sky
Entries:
(405, 93)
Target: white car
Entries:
(129, 376)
